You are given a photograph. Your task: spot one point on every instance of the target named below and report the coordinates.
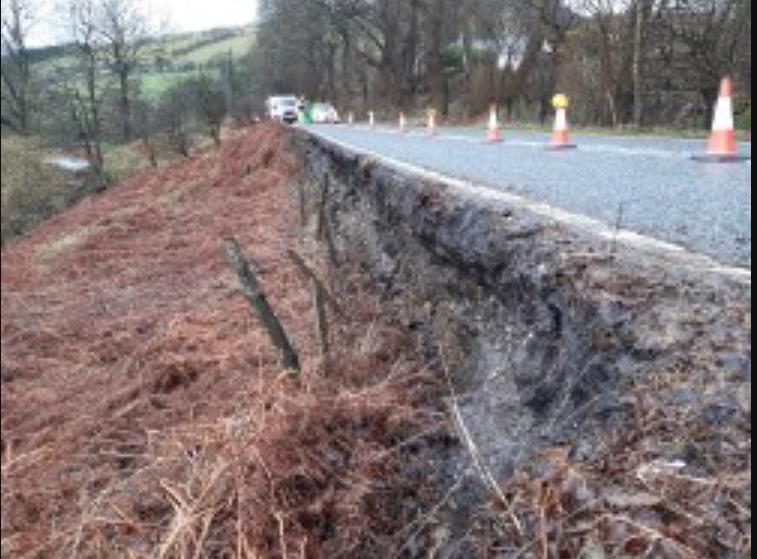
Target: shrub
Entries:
(32, 190)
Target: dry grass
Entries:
(144, 413)
(632, 495)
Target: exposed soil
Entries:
(144, 412)
(603, 390)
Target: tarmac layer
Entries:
(649, 185)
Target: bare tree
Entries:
(17, 18)
(709, 35)
(85, 101)
(437, 77)
(623, 61)
(146, 126)
(125, 31)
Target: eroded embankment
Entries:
(555, 338)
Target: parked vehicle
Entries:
(324, 113)
(283, 108)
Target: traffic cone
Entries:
(403, 123)
(431, 123)
(494, 133)
(561, 134)
(722, 146)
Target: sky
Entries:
(196, 15)
(181, 15)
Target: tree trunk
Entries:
(92, 113)
(125, 104)
(638, 57)
(437, 78)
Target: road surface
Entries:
(650, 185)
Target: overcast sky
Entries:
(182, 15)
(195, 15)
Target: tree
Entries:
(17, 18)
(622, 61)
(174, 118)
(437, 77)
(85, 102)
(125, 31)
(209, 103)
(710, 35)
(146, 126)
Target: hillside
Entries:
(144, 411)
(169, 58)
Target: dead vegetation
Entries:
(673, 483)
(145, 413)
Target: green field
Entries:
(197, 50)
(238, 46)
(154, 84)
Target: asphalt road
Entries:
(650, 184)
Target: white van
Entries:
(283, 108)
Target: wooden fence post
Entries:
(256, 297)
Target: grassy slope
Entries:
(154, 84)
(238, 45)
(192, 48)
(31, 189)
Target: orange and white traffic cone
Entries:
(722, 144)
(431, 123)
(403, 123)
(494, 133)
(561, 133)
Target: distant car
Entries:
(283, 108)
(324, 113)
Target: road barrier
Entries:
(494, 133)
(722, 146)
(561, 134)
(431, 123)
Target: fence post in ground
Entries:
(323, 227)
(303, 206)
(321, 296)
(254, 294)
(309, 274)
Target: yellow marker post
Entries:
(560, 134)
(561, 101)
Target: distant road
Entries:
(650, 182)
